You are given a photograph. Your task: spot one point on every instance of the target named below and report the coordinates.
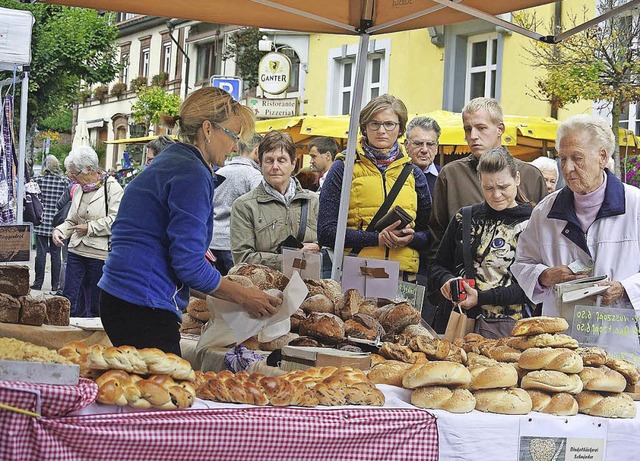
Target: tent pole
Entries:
(24, 95)
(347, 177)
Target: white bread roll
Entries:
(627, 369)
(474, 359)
(436, 374)
(514, 401)
(592, 356)
(560, 404)
(602, 379)
(543, 340)
(548, 358)
(493, 377)
(552, 381)
(606, 405)
(443, 398)
(537, 325)
(389, 372)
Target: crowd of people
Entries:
(489, 224)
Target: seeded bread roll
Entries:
(436, 374)
(592, 356)
(602, 379)
(552, 381)
(626, 369)
(389, 372)
(543, 340)
(548, 358)
(538, 325)
(474, 359)
(514, 401)
(560, 404)
(606, 405)
(443, 398)
(493, 377)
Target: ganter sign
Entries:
(274, 73)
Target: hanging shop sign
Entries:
(273, 108)
(274, 73)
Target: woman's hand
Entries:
(391, 237)
(614, 293)
(472, 294)
(81, 229)
(310, 248)
(258, 303)
(557, 274)
(58, 237)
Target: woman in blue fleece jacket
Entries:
(164, 227)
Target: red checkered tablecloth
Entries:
(359, 434)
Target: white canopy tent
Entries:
(354, 17)
(15, 55)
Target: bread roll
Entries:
(474, 359)
(543, 340)
(363, 326)
(560, 404)
(552, 381)
(436, 374)
(393, 351)
(278, 343)
(318, 303)
(538, 325)
(606, 405)
(493, 377)
(592, 356)
(626, 369)
(198, 309)
(514, 401)
(389, 372)
(548, 358)
(396, 317)
(443, 398)
(500, 353)
(602, 379)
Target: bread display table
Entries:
(53, 337)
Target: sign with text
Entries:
(616, 330)
(274, 73)
(547, 437)
(273, 108)
(413, 293)
(232, 85)
(15, 242)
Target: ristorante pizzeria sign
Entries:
(274, 73)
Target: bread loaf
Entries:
(543, 340)
(9, 309)
(278, 343)
(369, 308)
(14, 279)
(198, 309)
(363, 326)
(538, 325)
(396, 317)
(434, 349)
(240, 280)
(514, 401)
(501, 353)
(474, 359)
(327, 287)
(349, 304)
(33, 311)
(592, 356)
(389, 372)
(263, 277)
(626, 369)
(558, 359)
(304, 341)
(436, 374)
(318, 303)
(191, 325)
(493, 377)
(297, 317)
(561, 404)
(552, 381)
(376, 359)
(606, 405)
(58, 311)
(327, 328)
(416, 330)
(443, 398)
(602, 379)
(393, 351)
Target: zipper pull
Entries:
(273, 225)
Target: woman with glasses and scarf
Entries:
(88, 228)
(380, 159)
(164, 228)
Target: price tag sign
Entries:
(413, 293)
(308, 265)
(373, 278)
(15, 242)
(616, 330)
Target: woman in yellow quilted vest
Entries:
(380, 162)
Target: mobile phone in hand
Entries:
(458, 292)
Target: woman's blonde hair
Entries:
(496, 160)
(384, 102)
(213, 104)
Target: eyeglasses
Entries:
(230, 133)
(427, 144)
(388, 126)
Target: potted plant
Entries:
(119, 89)
(138, 83)
(101, 92)
(161, 79)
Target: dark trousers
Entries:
(139, 326)
(44, 245)
(81, 285)
(224, 260)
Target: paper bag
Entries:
(459, 325)
(577, 292)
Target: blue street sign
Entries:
(231, 85)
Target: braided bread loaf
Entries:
(436, 374)
(561, 404)
(547, 358)
(493, 377)
(607, 405)
(117, 387)
(602, 379)
(443, 398)
(514, 401)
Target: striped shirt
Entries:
(52, 186)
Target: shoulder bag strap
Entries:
(106, 210)
(304, 213)
(466, 243)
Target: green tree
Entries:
(153, 101)
(243, 47)
(600, 64)
(69, 46)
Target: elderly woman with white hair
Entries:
(88, 227)
(593, 221)
(549, 170)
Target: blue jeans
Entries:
(83, 275)
(44, 245)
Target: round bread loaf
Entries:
(278, 343)
(240, 280)
(602, 379)
(548, 358)
(561, 404)
(296, 318)
(327, 328)
(368, 307)
(304, 341)
(318, 303)
(263, 277)
(443, 398)
(348, 304)
(592, 356)
(363, 326)
(393, 351)
(626, 369)
(514, 401)
(538, 325)
(416, 330)
(493, 377)
(606, 405)
(543, 340)
(474, 359)
(436, 374)
(396, 317)
(552, 381)
(389, 372)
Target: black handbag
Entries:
(61, 215)
(32, 210)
